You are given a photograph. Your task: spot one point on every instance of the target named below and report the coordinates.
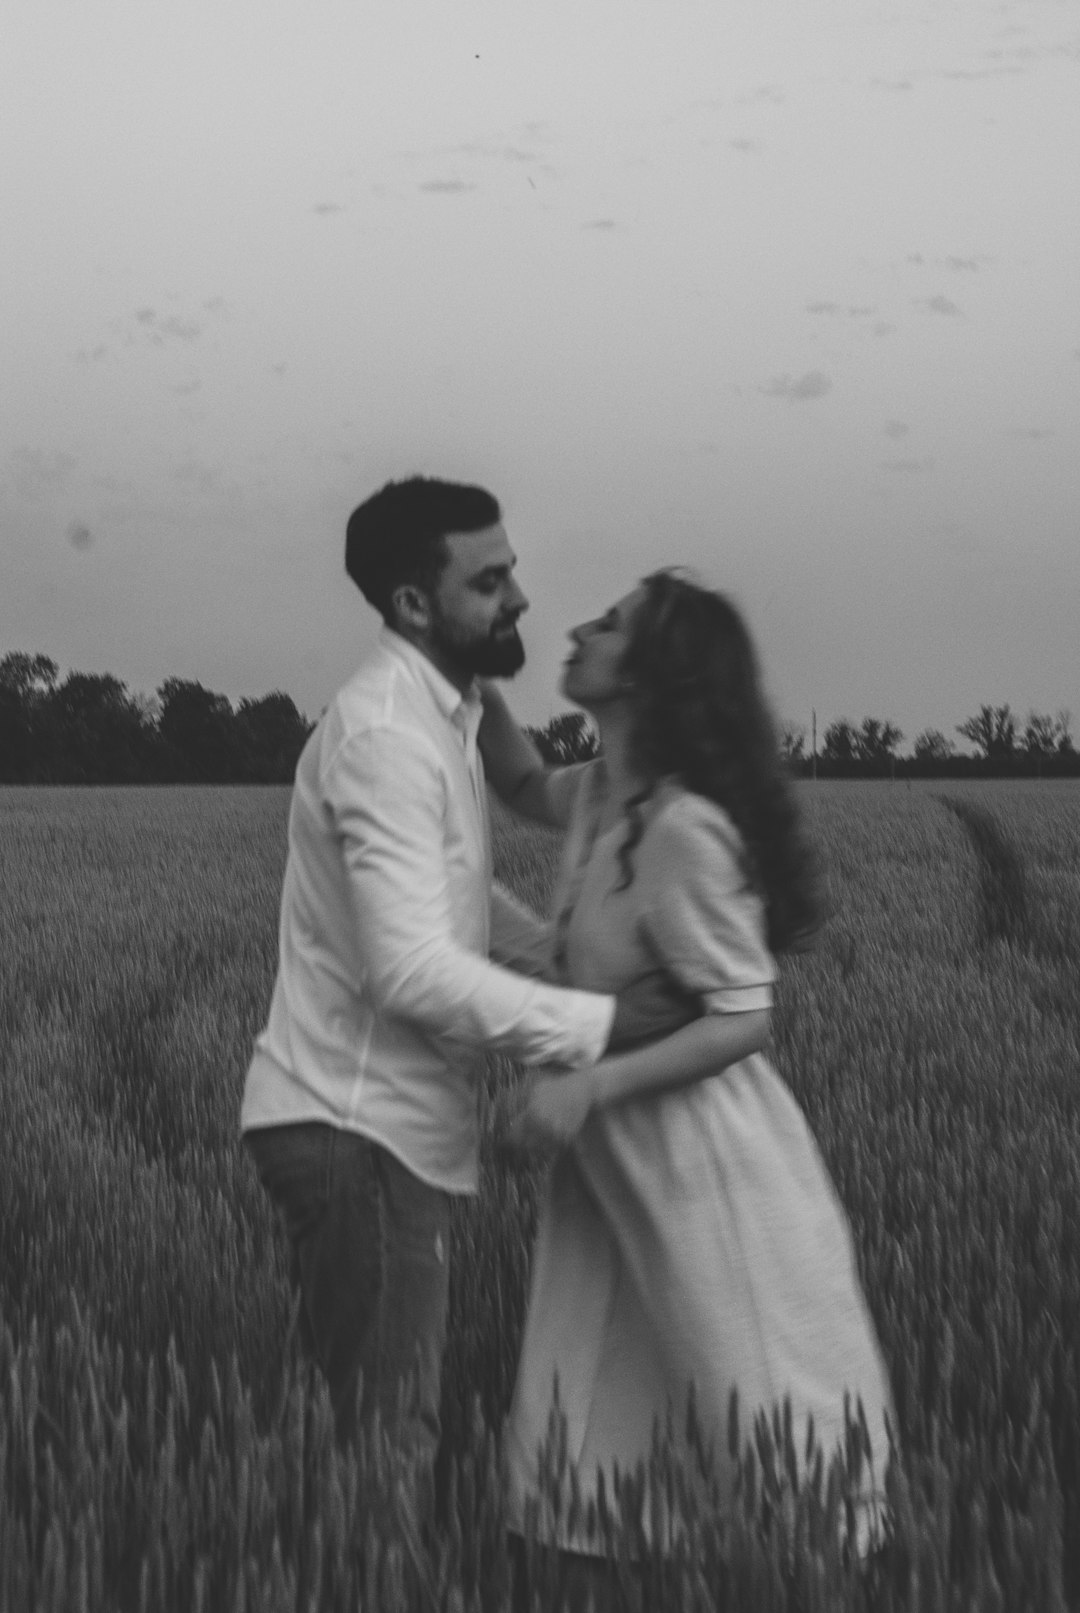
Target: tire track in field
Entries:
(1010, 911)
(1005, 908)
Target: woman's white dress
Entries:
(690, 1236)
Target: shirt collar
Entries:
(462, 710)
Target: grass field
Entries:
(160, 1444)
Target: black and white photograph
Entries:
(540, 806)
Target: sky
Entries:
(786, 291)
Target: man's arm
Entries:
(513, 765)
(386, 791)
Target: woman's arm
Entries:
(512, 763)
(557, 1106)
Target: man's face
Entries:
(475, 606)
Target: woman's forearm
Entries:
(704, 1047)
(512, 763)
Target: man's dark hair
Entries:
(397, 535)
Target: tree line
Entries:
(1004, 745)
(88, 728)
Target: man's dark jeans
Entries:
(371, 1258)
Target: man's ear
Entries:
(412, 608)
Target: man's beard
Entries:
(497, 654)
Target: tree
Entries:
(272, 733)
(932, 746)
(199, 731)
(793, 743)
(1040, 734)
(96, 732)
(839, 743)
(30, 677)
(992, 731)
(1048, 736)
(26, 681)
(876, 742)
(567, 738)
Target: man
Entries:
(360, 1106)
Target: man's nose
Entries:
(517, 600)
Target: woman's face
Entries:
(593, 671)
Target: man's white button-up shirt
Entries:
(385, 996)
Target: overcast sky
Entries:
(785, 290)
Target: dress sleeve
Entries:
(706, 923)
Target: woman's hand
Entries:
(555, 1109)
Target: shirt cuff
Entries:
(599, 1034)
(738, 999)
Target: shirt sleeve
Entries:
(386, 791)
(707, 924)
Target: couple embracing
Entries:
(689, 1233)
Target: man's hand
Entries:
(653, 1007)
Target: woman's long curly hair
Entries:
(701, 716)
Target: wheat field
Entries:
(161, 1444)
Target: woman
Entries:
(689, 1232)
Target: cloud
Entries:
(326, 208)
(186, 330)
(909, 467)
(445, 187)
(216, 305)
(600, 224)
(183, 388)
(160, 328)
(502, 151)
(942, 305)
(814, 384)
(896, 428)
(973, 73)
(79, 535)
(92, 355)
(847, 310)
(35, 472)
(200, 477)
(954, 261)
(748, 146)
